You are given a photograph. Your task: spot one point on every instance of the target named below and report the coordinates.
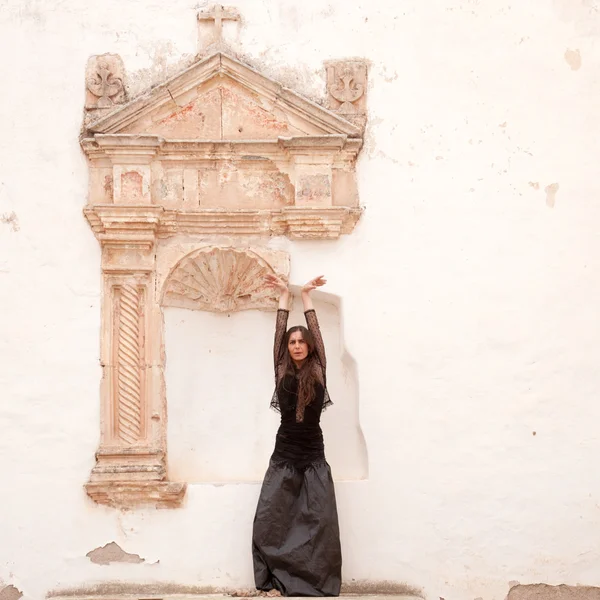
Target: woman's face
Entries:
(297, 347)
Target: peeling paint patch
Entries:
(542, 591)
(10, 219)
(388, 78)
(551, 191)
(108, 186)
(10, 592)
(573, 58)
(314, 190)
(113, 553)
(132, 186)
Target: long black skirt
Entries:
(296, 539)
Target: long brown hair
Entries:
(307, 374)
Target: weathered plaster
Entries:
(471, 315)
(111, 553)
(548, 592)
(11, 220)
(10, 592)
(551, 191)
(573, 58)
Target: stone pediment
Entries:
(220, 98)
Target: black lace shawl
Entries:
(317, 358)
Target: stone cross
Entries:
(218, 14)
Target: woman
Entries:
(295, 540)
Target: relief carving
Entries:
(129, 361)
(104, 81)
(346, 87)
(214, 17)
(220, 280)
(347, 91)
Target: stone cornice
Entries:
(143, 148)
(140, 225)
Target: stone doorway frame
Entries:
(136, 224)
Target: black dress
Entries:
(295, 539)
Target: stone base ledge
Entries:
(176, 591)
(137, 494)
(168, 596)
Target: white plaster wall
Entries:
(219, 380)
(470, 299)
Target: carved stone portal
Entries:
(218, 149)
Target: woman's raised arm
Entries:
(311, 317)
(282, 316)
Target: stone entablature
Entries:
(302, 187)
(221, 144)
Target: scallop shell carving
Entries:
(220, 280)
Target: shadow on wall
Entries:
(219, 377)
(345, 444)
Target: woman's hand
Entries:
(313, 284)
(273, 281)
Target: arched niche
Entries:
(219, 279)
(219, 380)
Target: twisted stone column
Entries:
(129, 364)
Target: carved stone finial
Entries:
(216, 14)
(346, 88)
(347, 91)
(104, 82)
